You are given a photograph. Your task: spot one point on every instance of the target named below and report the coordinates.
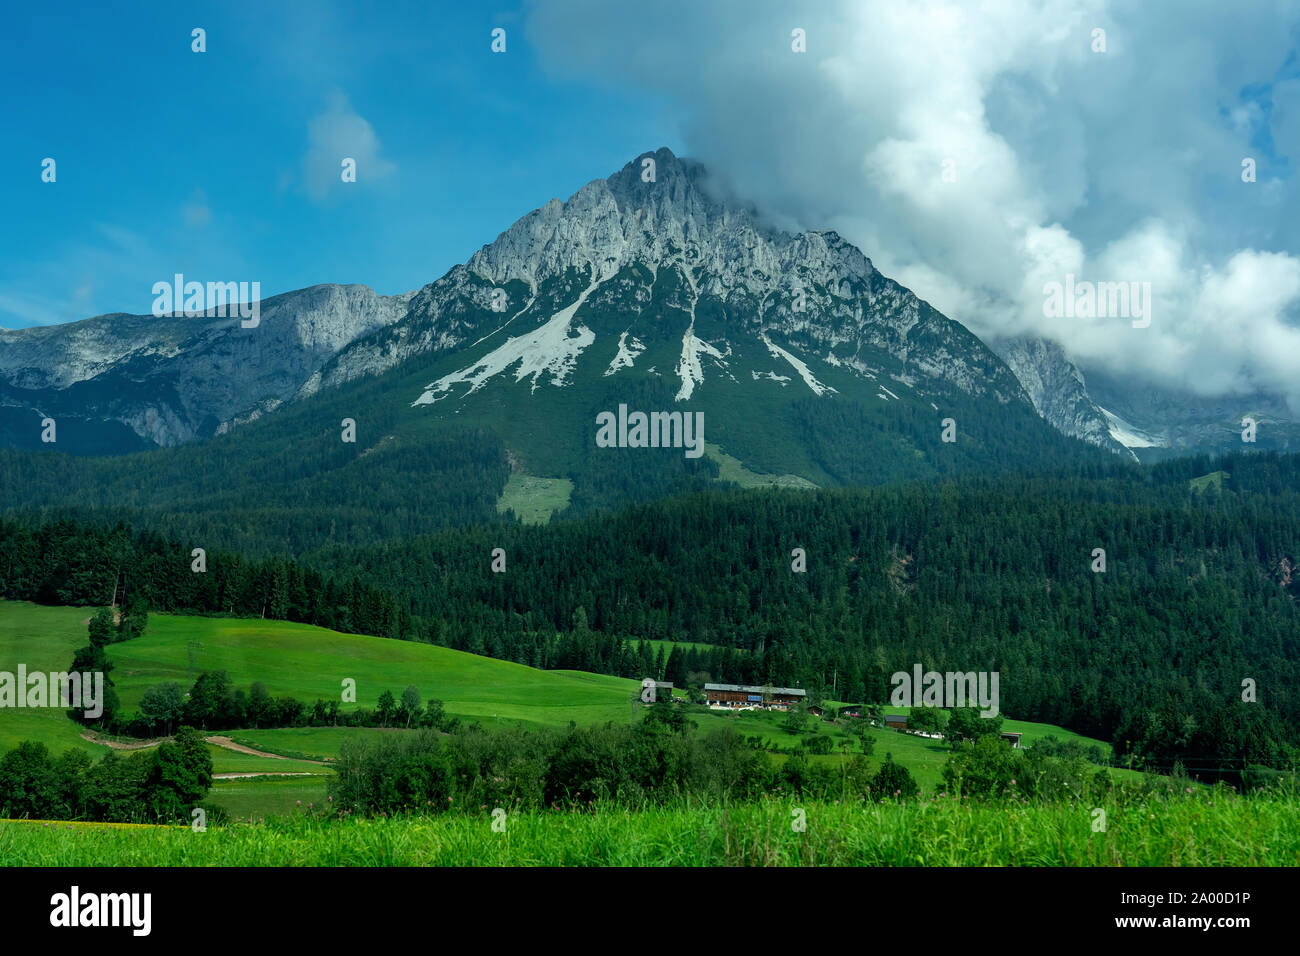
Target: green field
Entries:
(307, 663)
(261, 797)
(1213, 480)
(924, 757)
(310, 743)
(733, 470)
(229, 761)
(43, 638)
(533, 499)
(1208, 829)
(1029, 730)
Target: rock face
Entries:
(655, 274)
(815, 292)
(1057, 389)
(746, 301)
(172, 380)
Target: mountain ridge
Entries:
(742, 299)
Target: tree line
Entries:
(163, 784)
(1183, 647)
(214, 703)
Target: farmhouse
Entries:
(896, 721)
(741, 696)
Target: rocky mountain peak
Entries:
(673, 218)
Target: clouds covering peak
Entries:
(978, 152)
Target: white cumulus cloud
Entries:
(1122, 165)
(337, 134)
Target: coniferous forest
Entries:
(1197, 596)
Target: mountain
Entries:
(1160, 423)
(167, 380)
(1139, 420)
(665, 253)
(635, 277)
(801, 362)
(657, 289)
(1057, 388)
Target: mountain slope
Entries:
(169, 380)
(1056, 387)
(795, 355)
(660, 291)
(1161, 423)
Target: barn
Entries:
(750, 697)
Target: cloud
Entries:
(1115, 165)
(337, 134)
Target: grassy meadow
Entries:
(1208, 829)
(270, 820)
(306, 662)
(43, 638)
(534, 499)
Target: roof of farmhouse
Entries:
(744, 689)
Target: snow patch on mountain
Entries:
(528, 305)
(1131, 436)
(804, 372)
(627, 353)
(547, 349)
(854, 363)
(689, 369)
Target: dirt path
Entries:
(218, 740)
(95, 738)
(240, 748)
(243, 776)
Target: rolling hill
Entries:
(309, 662)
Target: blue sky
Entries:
(1113, 162)
(221, 165)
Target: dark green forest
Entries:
(977, 574)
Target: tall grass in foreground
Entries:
(1200, 830)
